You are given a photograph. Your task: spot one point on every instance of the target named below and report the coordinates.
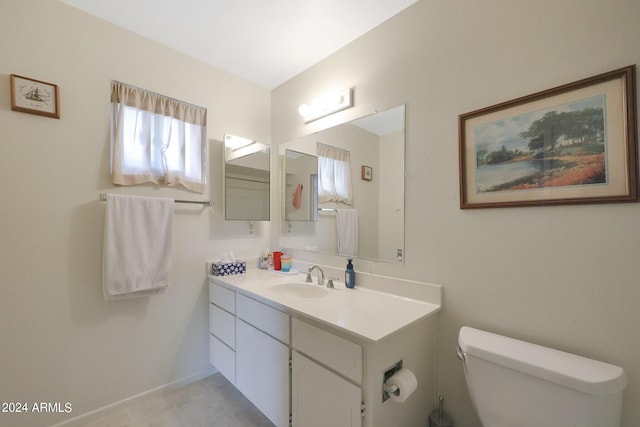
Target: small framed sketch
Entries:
(366, 173)
(34, 96)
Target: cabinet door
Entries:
(262, 372)
(321, 398)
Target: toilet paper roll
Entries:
(406, 382)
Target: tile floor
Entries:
(210, 402)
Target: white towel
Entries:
(347, 231)
(137, 246)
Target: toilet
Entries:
(514, 383)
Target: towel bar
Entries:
(103, 197)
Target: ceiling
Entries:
(266, 42)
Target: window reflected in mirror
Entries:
(334, 175)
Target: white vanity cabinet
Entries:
(249, 345)
(337, 378)
(320, 363)
(326, 378)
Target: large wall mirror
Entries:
(246, 179)
(360, 215)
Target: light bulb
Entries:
(304, 110)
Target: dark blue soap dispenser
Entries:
(349, 275)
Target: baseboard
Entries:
(116, 406)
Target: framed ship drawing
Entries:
(34, 96)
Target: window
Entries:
(334, 174)
(156, 139)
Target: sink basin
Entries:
(299, 289)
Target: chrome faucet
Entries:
(320, 278)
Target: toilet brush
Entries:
(439, 418)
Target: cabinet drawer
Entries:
(337, 353)
(222, 325)
(263, 317)
(222, 297)
(222, 358)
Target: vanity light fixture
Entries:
(326, 105)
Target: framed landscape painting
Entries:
(572, 144)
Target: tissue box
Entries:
(228, 268)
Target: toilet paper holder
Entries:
(388, 390)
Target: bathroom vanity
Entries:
(307, 355)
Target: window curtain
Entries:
(334, 174)
(156, 139)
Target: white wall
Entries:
(59, 340)
(562, 276)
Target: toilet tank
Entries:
(516, 383)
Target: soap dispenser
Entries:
(349, 275)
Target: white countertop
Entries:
(368, 314)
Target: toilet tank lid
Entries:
(570, 370)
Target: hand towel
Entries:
(137, 246)
(347, 231)
(297, 196)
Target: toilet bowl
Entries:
(514, 383)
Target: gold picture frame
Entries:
(572, 144)
(34, 96)
(366, 173)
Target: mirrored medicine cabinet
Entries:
(376, 147)
(246, 179)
